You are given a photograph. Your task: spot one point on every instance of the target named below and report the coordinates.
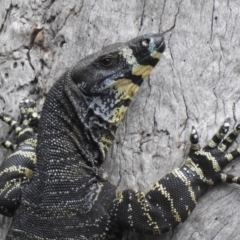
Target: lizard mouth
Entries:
(162, 47)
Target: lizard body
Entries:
(68, 195)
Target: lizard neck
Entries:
(69, 133)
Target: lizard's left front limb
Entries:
(171, 200)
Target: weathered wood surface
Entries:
(196, 83)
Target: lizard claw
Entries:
(225, 127)
(194, 140)
(218, 137)
(213, 158)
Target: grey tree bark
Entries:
(196, 83)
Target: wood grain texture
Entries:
(196, 83)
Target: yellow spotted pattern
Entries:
(142, 70)
(145, 208)
(194, 167)
(126, 89)
(167, 195)
(26, 154)
(105, 141)
(215, 164)
(179, 174)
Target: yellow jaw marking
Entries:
(156, 54)
(117, 115)
(141, 70)
(126, 88)
(127, 53)
(105, 142)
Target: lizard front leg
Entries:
(18, 167)
(173, 198)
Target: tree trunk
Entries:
(196, 83)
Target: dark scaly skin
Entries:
(19, 166)
(69, 196)
(171, 200)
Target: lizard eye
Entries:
(107, 62)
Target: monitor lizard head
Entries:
(118, 64)
(109, 79)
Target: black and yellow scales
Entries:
(53, 184)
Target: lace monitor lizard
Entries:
(65, 193)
